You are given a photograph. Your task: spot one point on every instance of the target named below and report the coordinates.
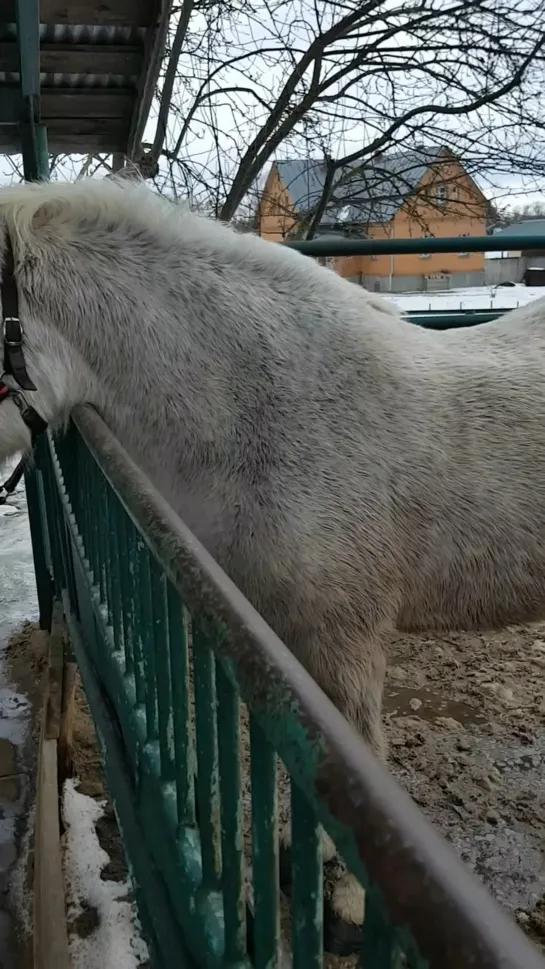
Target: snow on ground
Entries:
(17, 584)
(474, 298)
(115, 941)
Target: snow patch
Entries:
(471, 298)
(116, 941)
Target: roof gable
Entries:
(373, 193)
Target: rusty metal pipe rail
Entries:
(455, 922)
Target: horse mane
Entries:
(25, 208)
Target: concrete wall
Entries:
(508, 270)
(418, 284)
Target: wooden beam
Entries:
(91, 13)
(154, 51)
(82, 136)
(122, 13)
(50, 931)
(81, 103)
(78, 137)
(78, 59)
(85, 103)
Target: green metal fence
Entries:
(431, 319)
(180, 671)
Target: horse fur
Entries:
(351, 472)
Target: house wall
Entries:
(418, 283)
(276, 211)
(463, 214)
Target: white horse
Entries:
(350, 472)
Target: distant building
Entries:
(515, 265)
(406, 195)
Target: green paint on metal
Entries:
(319, 248)
(264, 850)
(233, 885)
(178, 626)
(207, 757)
(306, 894)
(171, 688)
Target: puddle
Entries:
(429, 706)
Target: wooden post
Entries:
(68, 705)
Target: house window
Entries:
(441, 194)
(464, 235)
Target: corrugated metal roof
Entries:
(97, 78)
(360, 195)
(528, 227)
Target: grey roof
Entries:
(528, 227)
(361, 194)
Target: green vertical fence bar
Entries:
(136, 614)
(162, 667)
(114, 515)
(380, 946)
(264, 850)
(207, 757)
(145, 632)
(128, 594)
(92, 551)
(101, 534)
(234, 898)
(184, 755)
(307, 904)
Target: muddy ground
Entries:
(465, 717)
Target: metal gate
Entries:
(175, 664)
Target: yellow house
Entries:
(406, 195)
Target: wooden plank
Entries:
(73, 136)
(91, 13)
(123, 13)
(154, 50)
(50, 932)
(84, 103)
(78, 59)
(87, 135)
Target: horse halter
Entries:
(14, 365)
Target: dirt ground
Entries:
(465, 717)
(27, 662)
(466, 722)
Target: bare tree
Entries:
(245, 81)
(346, 81)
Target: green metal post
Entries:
(35, 168)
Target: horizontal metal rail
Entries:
(423, 884)
(449, 319)
(319, 248)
